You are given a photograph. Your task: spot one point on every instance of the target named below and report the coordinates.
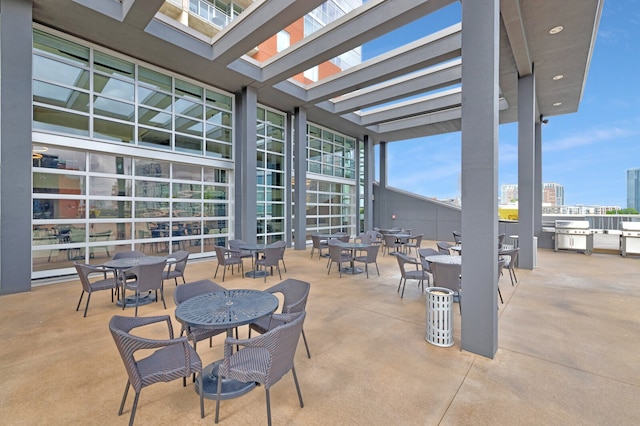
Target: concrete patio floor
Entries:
(569, 353)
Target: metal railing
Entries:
(210, 13)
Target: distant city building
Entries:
(580, 209)
(553, 194)
(633, 189)
(508, 194)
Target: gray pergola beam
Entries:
(371, 20)
(433, 78)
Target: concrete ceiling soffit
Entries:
(180, 35)
(433, 78)
(371, 20)
(513, 22)
(431, 50)
(137, 13)
(256, 24)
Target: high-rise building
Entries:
(633, 189)
(508, 194)
(553, 194)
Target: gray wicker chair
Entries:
(187, 291)
(318, 243)
(88, 286)
(371, 256)
(295, 293)
(263, 359)
(227, 257)
(181, 257)
(172, 359)
(443, 247)
(447, 275)
(282, 245)
(148, 278)
(415, 241)
(457, 237)
(423, 253)
(126, 255)
(270, 259)
(390, 242)
(409, 273)
(235, 246)
(337, 255)
(511, 258)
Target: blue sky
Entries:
(587, 152)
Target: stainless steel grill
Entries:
(630, 238)
(573, 235)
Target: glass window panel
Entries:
(43, 42)
(327, 136)
(186, 125)
(187, 172)
(187, 144)
(110, 130)
(260, 210)
(215, 192)
(187, 190)
(67, 74)
(327, 147)
(113, 87)
(152, 189)
(261, 114)
(221, 150)
(60, 96)
(339, 171)
(221, 134)
(323, 210)
(275, 146)
(315, 144)
(314, 131)
(106, 163)
(152, 209)
(114, 109)
(46, 183)
(215, 116)
(275, 132)
(314, 167)
(154, 118)
(315, 156)
(275, 118)
(189, 90)
(154, 79)
(349, 174)
(260, 159)
(154, 138)
(275, 179)
(111, 65)
(182, 209)
(58, 209)
(312, 198)
(215, 175)
(46, 119)
(276, 194)
(152, 168)
(336, 210)
(311, 221)
(260, 193)
(119, 209)
(56, 158)
(217, 209)
(275, 162)
(277, 210)
(187, 107)
(219, 100)
(155, 99)
(327, 170)
(107, 186)
(214, 226)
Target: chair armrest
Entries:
(140, 321)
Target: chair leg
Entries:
(86, 308)
(500, 294)
(201, 395)
(304, 338)
(405, 284)
(268, 407)
(278, 268)
(162, 296)
(124, 397)
(216, 273)
(295, 379)
(137, 300)
(377, 269)
(80, 301)
(133, 410)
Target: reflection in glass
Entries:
(110, 130)
(155, 99)
(187, 144)
(46, 183)
(154, 138)
(151, 117)
(60, 96)
(50, 120)
(106, 163)
(152, 189)
(187, 190)
(146, 209)
(152, 168)
(110, 209)
(113, 109)
(187, 172)
(113, 87)
(215, 149)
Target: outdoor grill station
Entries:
(630, 238)
(574, 235)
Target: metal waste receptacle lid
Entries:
(439, 316)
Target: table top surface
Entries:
(129, 262)
(353, 245)
(226, 309)
(444, 258)
(252, 247)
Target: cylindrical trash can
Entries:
(439, 316)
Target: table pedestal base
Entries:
(350, 270)
(255, 274)
(142, 300)
(230, 388)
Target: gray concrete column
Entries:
(288, 185)
(300, 172)
(369, 169)
(537, 191)
(480, 64)
(526, 168)
(16, 43)
(246, 162)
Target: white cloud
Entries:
(588, 137)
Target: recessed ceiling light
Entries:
(36, 148)
(558, 77)
(557, 104)
(556, 30)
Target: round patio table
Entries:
(124, 263)
(254, 249)
(352, 269)
(444, 258)
(225, 310)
